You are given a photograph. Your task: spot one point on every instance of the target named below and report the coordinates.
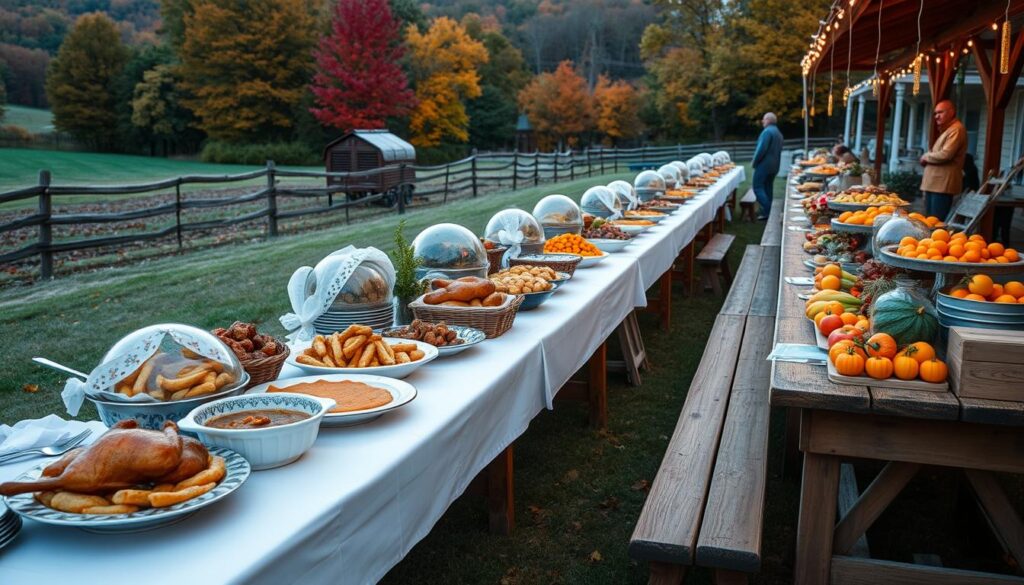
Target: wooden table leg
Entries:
(598, 387)
(501, 512)
(721, 220)
(665, 298)
(726, 577)
(817, 519)
(685, 274)
(791, 453)
(666, 574)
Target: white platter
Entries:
(396, 371)
(654, 218)
(238, 471)
(589, 261)
(633, 229)
(610, 246)
(402, 393)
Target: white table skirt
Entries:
(355, 504)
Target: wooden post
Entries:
(501, 509)
(45, 228)
(601, 156)
(401, 195)
(554, 179)
(177, 211)
(572, 165)
(615, 159)
(884, 93)
(473, 171)
(589, 168)
(515, 170)
(271, 201)
(447, 171)
(536, 168)
(597, 381)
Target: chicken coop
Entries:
(365, 152)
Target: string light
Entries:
(1004, 50)
(831, 76)
(878, 48)
(849, 58)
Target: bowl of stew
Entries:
(269, 430)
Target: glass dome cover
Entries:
(558, 210)
(890, 229)
(684, 171)
(696, 167)
(514, 221)
(706, 160)
(366, 286)
(722, 157)
(449, 249)
(649, 185)
(625, 192)
(601, 201)
(671, 175)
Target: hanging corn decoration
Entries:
(917, 75)
(830, 104)
(803, 113)
(812, 110)
(874, 88)
(1004, 50)
(846, 96)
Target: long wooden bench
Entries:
(706, 504)
(713, 260)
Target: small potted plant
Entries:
(407, 287)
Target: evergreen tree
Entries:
(80, 81)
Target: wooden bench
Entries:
(747, 205)
(706, 504)
(713, 260)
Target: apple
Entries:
(844, 332)
(829, 323)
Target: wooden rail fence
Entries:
(472, 175)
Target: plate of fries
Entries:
(362, 352)
(151, 507)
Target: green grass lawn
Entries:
(35, 120)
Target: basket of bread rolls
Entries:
(471, 302)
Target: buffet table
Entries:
(355, 504)
(905, 428)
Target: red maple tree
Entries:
(359, 82)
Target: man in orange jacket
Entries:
(944, 163)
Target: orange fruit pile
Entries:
(981, 287)
(864, 216)
(571, 244)
(957, 247)
(931, 220)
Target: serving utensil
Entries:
(58, 448)
(60, 367)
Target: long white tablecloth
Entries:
(355, 504)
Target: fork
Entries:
(56, 449)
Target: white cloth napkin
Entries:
(40, 432)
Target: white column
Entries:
(926, 125)
(897, 128)
(860, 124)
(911, 124)
(846, 127)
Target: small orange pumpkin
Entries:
(850, 363)
(879, 368)
(921, 351)
(881, 345)
(905, 367)
(934, 371)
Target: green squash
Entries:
(906, 316)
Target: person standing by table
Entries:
(944, 163)
(767, 157)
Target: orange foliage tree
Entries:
(618, 109)
(444, 62)
(559, 106)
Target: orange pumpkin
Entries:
(921, 351)
(905, 367)
(934, 370)
(841, 347)
(879, 368)
(881, 345)
(850, 363)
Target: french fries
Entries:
(357, 347)
(168, 378)
(164, 499)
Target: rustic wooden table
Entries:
(905, 428)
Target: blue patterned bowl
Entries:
(268, 447)
(153, 415)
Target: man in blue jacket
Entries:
(767, 158)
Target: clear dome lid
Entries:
(624, 191)
(449, 247)
(558, 210)
(366, 286)
(600, 201)
(169, 360)
(670, 173)
(514, 220)
(684, 171)
(706, 160)
(649, 181)
(889, 229)
(722, 157)
(696, 167)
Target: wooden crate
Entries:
(985, 363)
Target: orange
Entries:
(923, 255)
(981, 284)
(852, 318)
(933, 255)
(1011, 255)
(956, 250)
(974, 297)
(845, 216)
(908, 241)
(831, 282)
(976, 238)
(991, 261)
(1006, 299)
(1002, 260)
(970, 256)
(996, 249)
(1021, 300)
(1015, 288)
(942, 247)
(976, 246)
(832, 270)
(950, 259)
(997, 291)
(927, 242)
(958, 292)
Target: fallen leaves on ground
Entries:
(595, 557)
(31, 388)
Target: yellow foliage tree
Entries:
(618, 109)
(246, 65)
(559, 106)
(444, 62)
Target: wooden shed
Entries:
(358, 151)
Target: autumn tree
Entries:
(492, 116)
(157, 110)
(559, 106)
(444, 62)
(80, 81)
(618, 109)
(359, 82)
(24, 74)
(245, 66)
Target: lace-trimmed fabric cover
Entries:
(129, 358)
(330, 276)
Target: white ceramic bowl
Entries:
(589, 261)
(398, 371)
(634, 229)
(610, 246)
(153, 415)
(267, 447)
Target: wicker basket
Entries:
(493, 321)
(567, 266)
(265, 369)
(494, 258)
